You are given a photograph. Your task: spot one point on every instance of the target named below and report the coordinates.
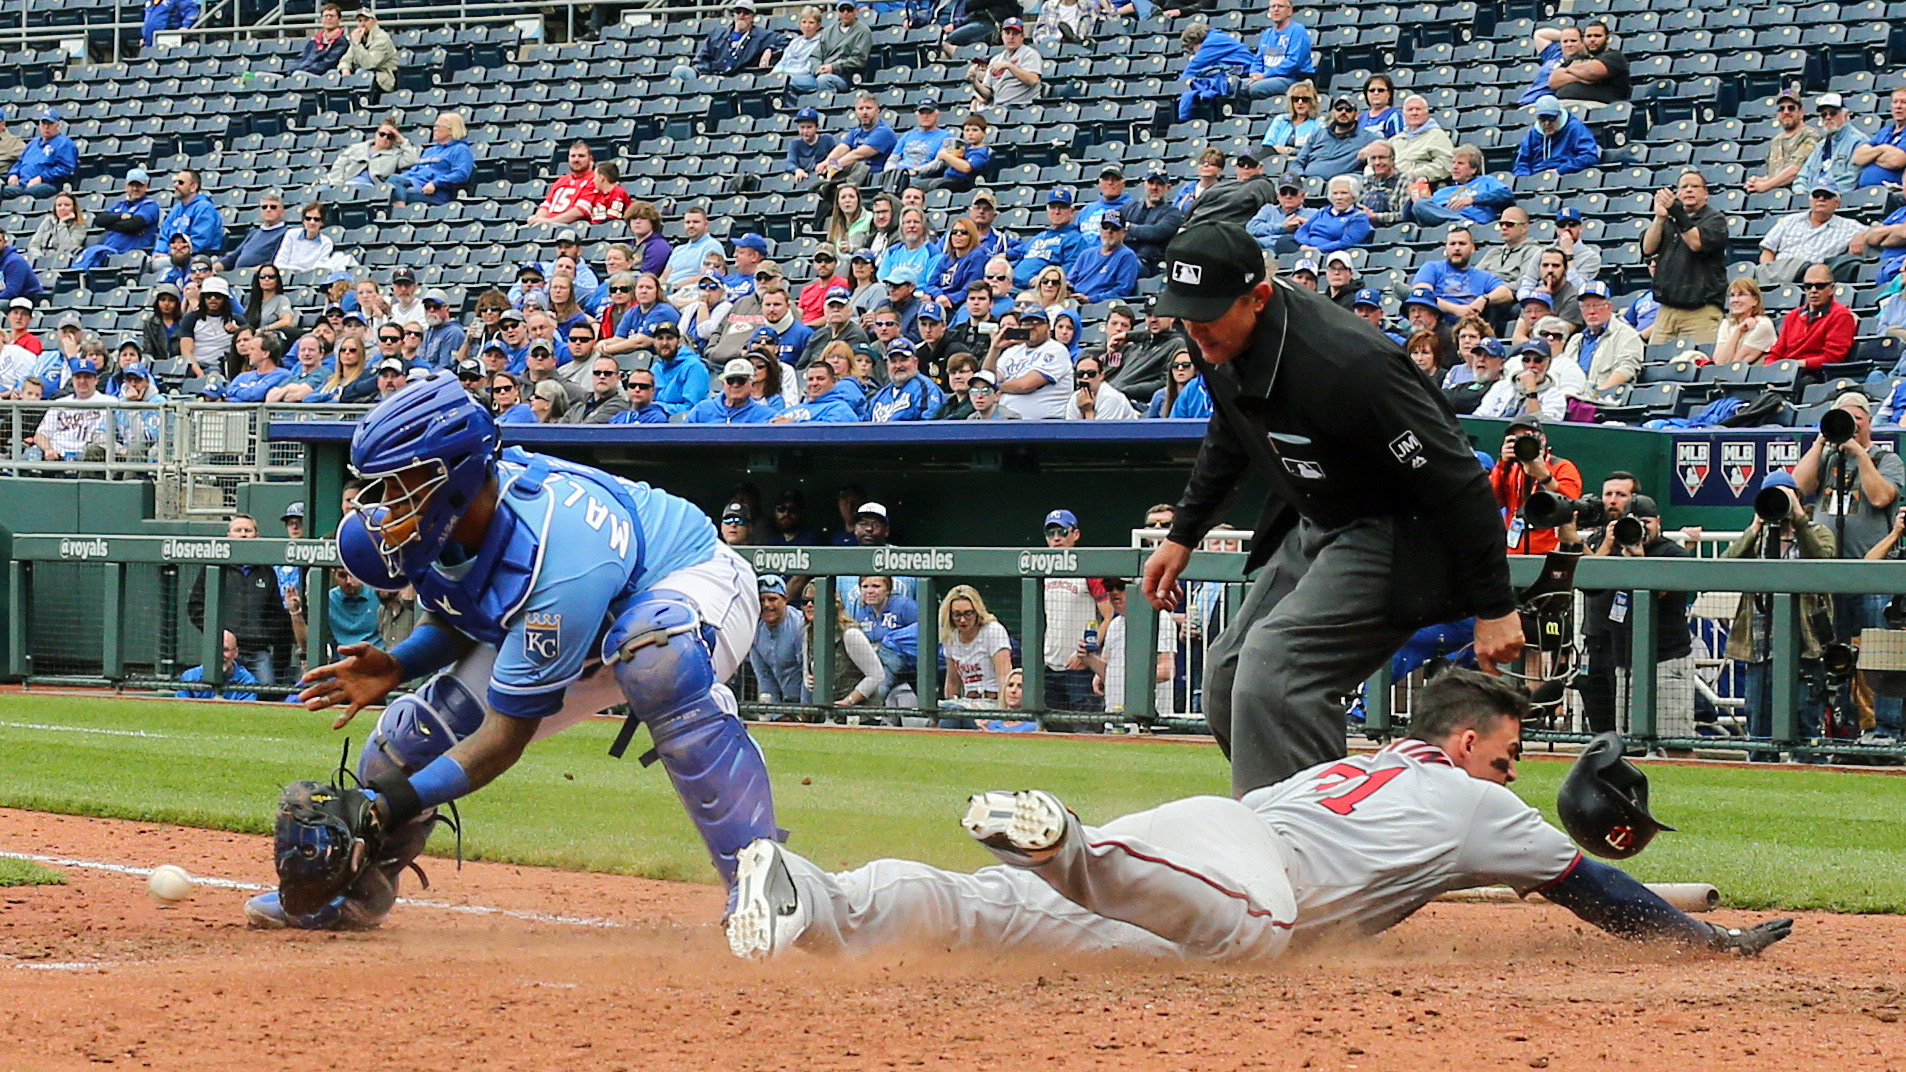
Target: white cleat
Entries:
(768, 913)
(1029, 823)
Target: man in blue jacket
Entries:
(826, 402)
(1108, 270)
(194, 216)
(1283, 55)
(1217, 61)
(1334, 150)
(446, 166)
(128, 224)
(1470, 195)
(1151, 224)
(1557, 142)
(17, 278)
(729, 49)
(48, 162)
(1060, 243)
(907, 395)
(736, 404)
(167, 15)
(681, 377)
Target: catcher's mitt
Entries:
(325, 838)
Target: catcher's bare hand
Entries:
(1750, 941)
(363, 676)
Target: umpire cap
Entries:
(1603, 802)
(1208, 267)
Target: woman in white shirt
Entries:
(979, 654)
(1746, 332)
(308, 248)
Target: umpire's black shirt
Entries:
(1357, 432)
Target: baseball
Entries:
(169, 883)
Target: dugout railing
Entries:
(105, 611)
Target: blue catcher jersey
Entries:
(568, 546)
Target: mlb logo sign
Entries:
(542, 637)
(1691, 465)
(1782, 455)
(1189, 274)
(1737, 465)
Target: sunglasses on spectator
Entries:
(630, 290)
(263, 275)
(497, 389)
(1087, 374)
(886, 323)
(350, 349)
(1181, 364)
(989, 275)
(710, 286)
(414, 334)
(1551, 335)
(314, 219)
(582, 336)
(466, 378)
(981, 389)
(968, 613)
(390, 338)
(1789, 108)
(638, 385)
(1816, 286)
(601, 372)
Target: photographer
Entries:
(1034, 370)
(1596, 683)
(1782, 528)
(1526, 465)
(1858, 486)
(1637, 534)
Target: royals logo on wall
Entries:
(1691, 465)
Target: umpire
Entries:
(1379, 520)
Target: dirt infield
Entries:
(635, 976)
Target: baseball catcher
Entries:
(1343, 849)
(643, 604)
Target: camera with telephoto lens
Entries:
(1772, 505)
(1837, 426)
(1630, 532)
(1526, 447)
(1547, 510)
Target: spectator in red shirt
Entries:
(1818, 332)
(607, 200)
(811, 306)
(560, 204)
(19, 319)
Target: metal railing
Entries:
(198, 452)
(109, 580)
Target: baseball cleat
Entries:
(768, 914)
(265, 913)
(1029, 823)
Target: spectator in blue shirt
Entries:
(915, 150)
(856, 157)
(1461, 289)
(1882, 160)
(907, 395)
(681, 378)
(352, 611)
(128, 224)
(1341, 225)
(1283, 55)
(194, 216)
(825, 400)
(808, 147)
(49, 161)
(1108, 270)
(778, 656)
(261, 352)
(1830, 164)
(444, 335)
(643, 408)
(1547, 43)
(736, 404)
(1470, 195)
(1557, 142)
(1060, 243)
(1112, 195)
(961, 161)
(164, 15)
(327, 46)
(445, 167)
(234, 675)
(1218, 60)
(1275, 224)
(17, 277)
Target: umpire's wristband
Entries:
(401, 803)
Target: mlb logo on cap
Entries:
(1187, 273)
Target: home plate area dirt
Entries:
(545, 969)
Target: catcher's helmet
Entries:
(1604, 802)
(432, 423)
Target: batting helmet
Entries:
(1604, 802)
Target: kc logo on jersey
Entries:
(542, 636)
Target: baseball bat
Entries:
(1687, 896)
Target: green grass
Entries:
(1792, 838)
(21, 873)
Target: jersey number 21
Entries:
(1351, 786)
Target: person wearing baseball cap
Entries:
(128, 223)
(915, 149)
(1830, 161)
(1787, 150)
(1112, 197)
(1352, 575)
(809, 146)
(1368, 304)
(1556, 142)
(1110, 269)
(1608, 347)
(738, 45)
(907, 395)
(47, 163)
(736, 403)
(1799, 239)
(1150, 223)
(1060, 243)
(1333, 149)
(1012, 76)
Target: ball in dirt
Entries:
(169, 883)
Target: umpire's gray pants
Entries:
(1312, 628)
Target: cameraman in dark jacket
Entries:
(1750, 639)
(1637, 534)
(1378, 522)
